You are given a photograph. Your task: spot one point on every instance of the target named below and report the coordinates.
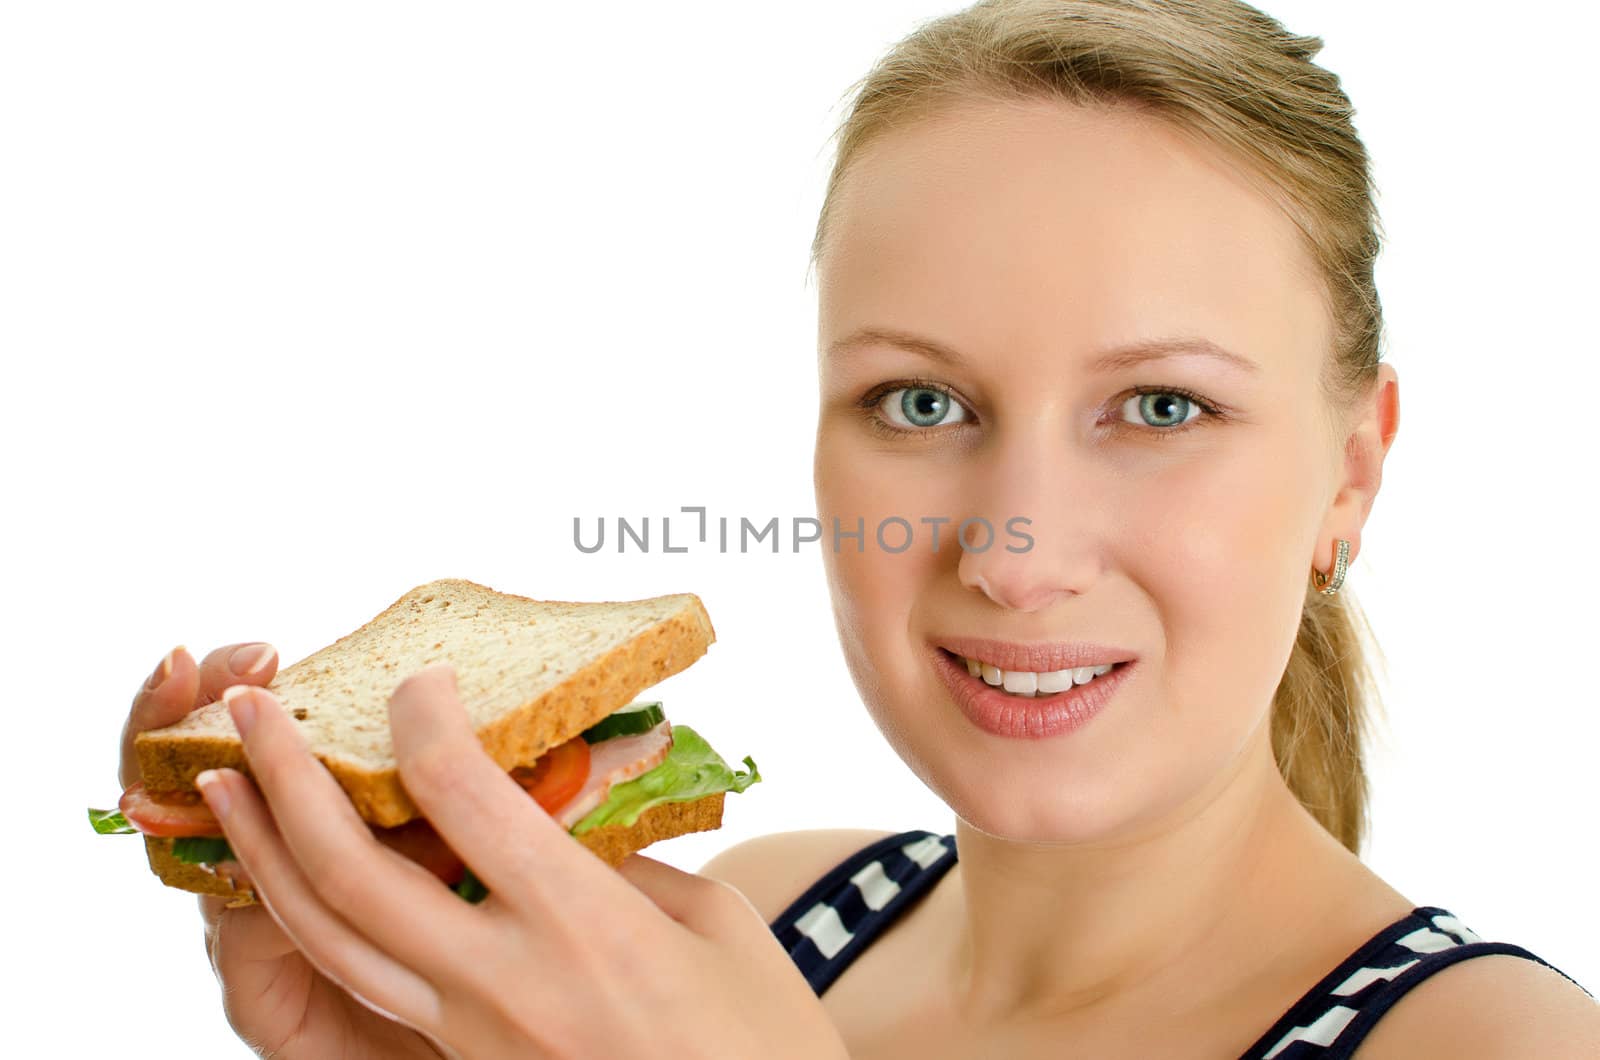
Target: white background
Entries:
(306, 304)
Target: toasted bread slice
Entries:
(611, 843)
(532, 674)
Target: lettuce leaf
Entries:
(692, 770)
(109, 822)
(202, 850)
(471, 888)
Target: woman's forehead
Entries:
(1039, 222)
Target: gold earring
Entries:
(1341, 564)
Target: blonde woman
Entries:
(1097, 308)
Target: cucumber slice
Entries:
(629, 721)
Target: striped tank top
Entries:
(841, 914)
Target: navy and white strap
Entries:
(1331, 1019)
(842, 913)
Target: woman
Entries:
(1096, 302)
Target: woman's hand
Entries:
(274, 999)
(566, 958)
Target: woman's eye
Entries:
(919, 407)
(1164, 410)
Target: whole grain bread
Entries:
(611, 843)
(531, 673)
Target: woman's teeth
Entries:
(1029, 684)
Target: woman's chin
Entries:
(1024, 806)
(1058, 819)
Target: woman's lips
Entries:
(1004, 714)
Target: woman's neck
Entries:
(1058, 931)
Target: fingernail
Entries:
(242, 705)
(162, 672)
(248, 660)
(213, 791)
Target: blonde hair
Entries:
(1240, 80)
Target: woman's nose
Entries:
(1016, 594)
(1027, 581)
(1046, 536)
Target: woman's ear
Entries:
(1372, 428)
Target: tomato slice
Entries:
(558, 775)
(188, 817)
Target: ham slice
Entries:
(613, 761)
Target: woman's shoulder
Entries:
(1493, 1005)
(775, 869)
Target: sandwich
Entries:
(549, 686)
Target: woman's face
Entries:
(1031, 240)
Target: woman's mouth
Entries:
(1028, 704)
(1027, 683)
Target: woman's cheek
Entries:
(865, 581)
(1217, 560)
(876, 584)
(871, 504)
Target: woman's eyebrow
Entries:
(1157, 349)
(1115, 359)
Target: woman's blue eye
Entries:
(920, 407)
(1164, 409)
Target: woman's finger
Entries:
(377, 890)
(337, 949)
(255, 663)
(705, 906)
(166, 696)
(244, 936)
(506, 838)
